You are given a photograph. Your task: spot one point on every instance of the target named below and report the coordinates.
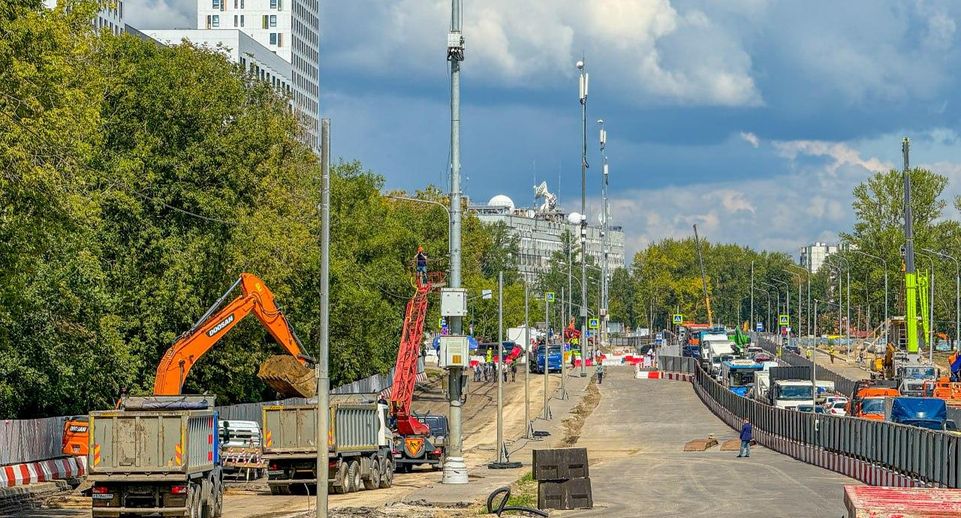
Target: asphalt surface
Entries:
(635, 441)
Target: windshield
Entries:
(436, 423)
(738, 378)
(919, 372)
(794, 392)
(839, 404)
(930, 425)
(874, 405)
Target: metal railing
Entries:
(925, 457)
(677, 364)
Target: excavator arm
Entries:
(255, 298)
(405, 370)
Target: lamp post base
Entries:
(455, 471)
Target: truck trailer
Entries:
(358, 445)
(156, 455)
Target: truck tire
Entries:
(193, 503)
(340, 479)
(353, 476)
(387, 473)
(373, 481)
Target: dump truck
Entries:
(358, 445)
(155, 455)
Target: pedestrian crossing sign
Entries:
(678, 318)
(784, 320)
(592, 323)
(549, 296)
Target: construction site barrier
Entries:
(874, 452)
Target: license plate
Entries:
(102, 496)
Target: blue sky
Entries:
(754, 119)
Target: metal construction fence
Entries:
(677, 364)
(876, 452)
(841, 384)
(30, 440)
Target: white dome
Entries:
(574, 218)
(501, 200)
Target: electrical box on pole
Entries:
(453, 302)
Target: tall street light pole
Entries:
(455, 470)
(323, 372)
(583, 227)
(527, 361)
(957, 295)
(547, 351)
(752, 297)
(603, 305)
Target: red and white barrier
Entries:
(647, 375)
(42, 471)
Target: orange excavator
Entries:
(280, 373)
(288, 375)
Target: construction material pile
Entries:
(288, 377)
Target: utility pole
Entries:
(583, 99)
(605, 270)
(527, 361)
(547, 351)
(323, 374)
(455, 470)
(500, 367)
(563, 344)
(752, 297)
(910, 272)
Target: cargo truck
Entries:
(156, 455)
(924, 412)
(358, 445)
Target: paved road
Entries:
(635, 439)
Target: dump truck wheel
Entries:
(353, 476)
(373, 481)
(280, 490)
(387, 475)
(340, 479)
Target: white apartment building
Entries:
(540, 234)
(238, 47)
(813, 255)
(288, 28)
(109, 17)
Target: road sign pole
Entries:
(547, 349)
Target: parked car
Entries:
(831, 399)
(811, 408)
(836, 408)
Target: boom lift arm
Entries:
(405, 370)
(255, 298)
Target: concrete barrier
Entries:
(43, 471)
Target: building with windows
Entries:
(109, 17)
(288, 28)
(541, 232)
(239, 47)
(813, 255)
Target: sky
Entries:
(750, 118)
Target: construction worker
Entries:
(746, 436)
(421, 259)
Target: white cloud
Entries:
(751, 138)
(841, 153)
(161, 14)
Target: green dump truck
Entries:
(156, 455)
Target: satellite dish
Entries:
(574, 218)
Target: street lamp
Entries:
(847, 265)
(799, 297)
(429, 202)
(957, 295)
(768, 305)
(583, 87)
(603, 304)
(885, 263)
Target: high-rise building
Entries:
(813, 255)
(290, 29)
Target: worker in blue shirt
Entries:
(746, 430)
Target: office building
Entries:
(109, 17)
(288, 28)
(540, 232)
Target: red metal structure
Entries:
(405, 370)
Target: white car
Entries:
(836, 408)
(830, 400)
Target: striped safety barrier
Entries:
(42, 471)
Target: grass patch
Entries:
(523, 494)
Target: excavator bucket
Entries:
(288, 377)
